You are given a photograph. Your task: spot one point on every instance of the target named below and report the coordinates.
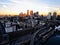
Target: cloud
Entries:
(4, 6)
(23, 5)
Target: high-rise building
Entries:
(41, 17)
(49, 16)
(21, 14)
(24, 14)
(27, 12)
(31, 12)
(37, 13)
(54, 15)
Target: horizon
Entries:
(14, 7)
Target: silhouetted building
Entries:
(36, 14)
(27, 12)
(54, 15)
(58, 17)
(41, 17)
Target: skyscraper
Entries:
(31, 12)
(37, 13)
(21, 14)
(27, 12)
(54, 15)
(49, 16)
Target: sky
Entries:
(16, 6)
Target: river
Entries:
(53, 40)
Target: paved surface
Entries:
(22, 39)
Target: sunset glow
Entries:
(14, 7)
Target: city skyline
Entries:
(14, 7)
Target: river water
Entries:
(53, 40)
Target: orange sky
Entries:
(14, 13)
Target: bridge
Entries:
(41, 33)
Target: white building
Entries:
(49, 16)
(9, 27)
